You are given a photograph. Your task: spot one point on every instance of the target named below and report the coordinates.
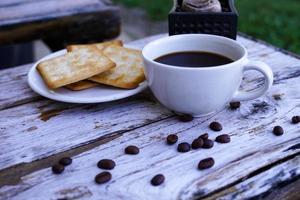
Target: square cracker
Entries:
(74, 66)
(129, 70)
(88, 84)
(100, 46)
(81, 85)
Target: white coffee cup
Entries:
(201, 90)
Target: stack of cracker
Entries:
(86, 66)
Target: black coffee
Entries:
(194, 59)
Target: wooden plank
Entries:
(265, 185)
(252, 148)
(14, 89)
(30, 11)
(59, 22)
(37, 130)
(287, 192)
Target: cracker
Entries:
(73, 67)
(81, 85)
(100, 46)
(129, 70)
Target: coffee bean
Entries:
(278, 130)
(65, 161)
(183, 147)
(277, 96)
(157, 179)
(103, 177)
(206, 163)
(296, 119)
(185, 118)
(215, 126)
(172, 139)
(235, 105)
(207, 144)
(106, 164)
(197, 143)
(204, 136)
(224, 138)
(133, 150)
(58, 168)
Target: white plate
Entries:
(97, 94)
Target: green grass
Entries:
(157, 9)
(275, 21)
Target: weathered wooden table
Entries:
(35, 132)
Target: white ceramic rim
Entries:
(148, 47)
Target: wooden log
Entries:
(58, 22)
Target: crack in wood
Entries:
(22, 102)
(250, 175)
(294, 74)
(12, 175)
(276, 186)
(45, 116)
(294, 147)
(77, 192)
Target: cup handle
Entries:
(268, 76)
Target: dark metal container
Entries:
(223, 23)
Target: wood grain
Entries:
(37, 130)
(46, 130)
(14, 88)
(266, 184)
(253, 147)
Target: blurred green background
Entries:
(275, 21)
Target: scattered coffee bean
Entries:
(172, 139)
(58, 168)
(278, 130)
(277, 97)
(206, 163)
(106, 164)
(133, 150)
(235, 105)
(215, 126)
(207, 144)
(296, 119)
(185, 118)
(197, 143)
(157, 179)
(204, 136)
(65, 161)
(183, 147)
(224, 138)
(103, 177)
